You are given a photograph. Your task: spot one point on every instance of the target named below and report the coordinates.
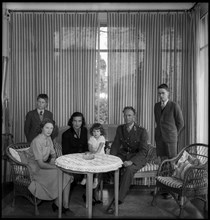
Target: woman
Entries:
(74, 140)
(41, 158)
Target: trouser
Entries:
(166, 150)
(126, 177)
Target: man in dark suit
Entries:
(34, 118)
(130, 144)
(169, 122)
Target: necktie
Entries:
(41, 115)
(162, 105)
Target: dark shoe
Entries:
(84, 199)
(110, 210)
(55, 208)
(166, 196)
(68, 211)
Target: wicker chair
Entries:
(194, 182)
(21, 176)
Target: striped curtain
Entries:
(145, 50)
(52, 53)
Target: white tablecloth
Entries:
(101, 163)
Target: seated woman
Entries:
(75, 140)
(41, 159)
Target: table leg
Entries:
(89, 192)
(60, 184)
(116, 190)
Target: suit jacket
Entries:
(32, 123)
(131, 145)
(169, 122)
(71, 143)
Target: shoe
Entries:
(83, 182)
(110, 210)
(166, 196)
(55, 208)
(68, 211)
(84, 199)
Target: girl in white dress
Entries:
(96, 144)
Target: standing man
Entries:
(35, 117)
(169, 122)
(130, 144)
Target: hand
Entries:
(127, 163)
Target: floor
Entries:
(137, 204)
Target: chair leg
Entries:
(181, 205)
(36, 207)
(101, 190)
(153, 203)
(13, 201)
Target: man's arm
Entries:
(140, 157)
(179, 118)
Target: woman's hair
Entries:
(76, 114)
(44, 122)
(97, 126)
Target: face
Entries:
(77, 122)
(163, 94)
(96, 133)
(129, 116)
(41, 104)
(47, 129)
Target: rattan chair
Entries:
(194, 184)
(21, 176)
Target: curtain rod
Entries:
(85, 11)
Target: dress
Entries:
(45, 181)
(95, 143)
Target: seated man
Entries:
(130, 144)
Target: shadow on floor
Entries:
(137, 204)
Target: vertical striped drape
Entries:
(52, 53)
(145, 50)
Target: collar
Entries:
(131, 126)
(38, 110)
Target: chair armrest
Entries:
(108, 145)
(196, 176)
(57, 148)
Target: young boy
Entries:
(35, 117)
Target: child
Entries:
(96, 144)
(35, 117)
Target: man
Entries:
(35, 117)
(169, 122)
(130, 144)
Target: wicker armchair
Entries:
(193, 180)
(20, 174)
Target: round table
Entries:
(75, 163)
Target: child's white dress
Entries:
(95, 143)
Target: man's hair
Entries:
(97, 126)
(129, 108)
(76, 114)
(163, 86)
(42, 96)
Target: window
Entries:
(101, 84)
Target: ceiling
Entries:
(98, 6)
